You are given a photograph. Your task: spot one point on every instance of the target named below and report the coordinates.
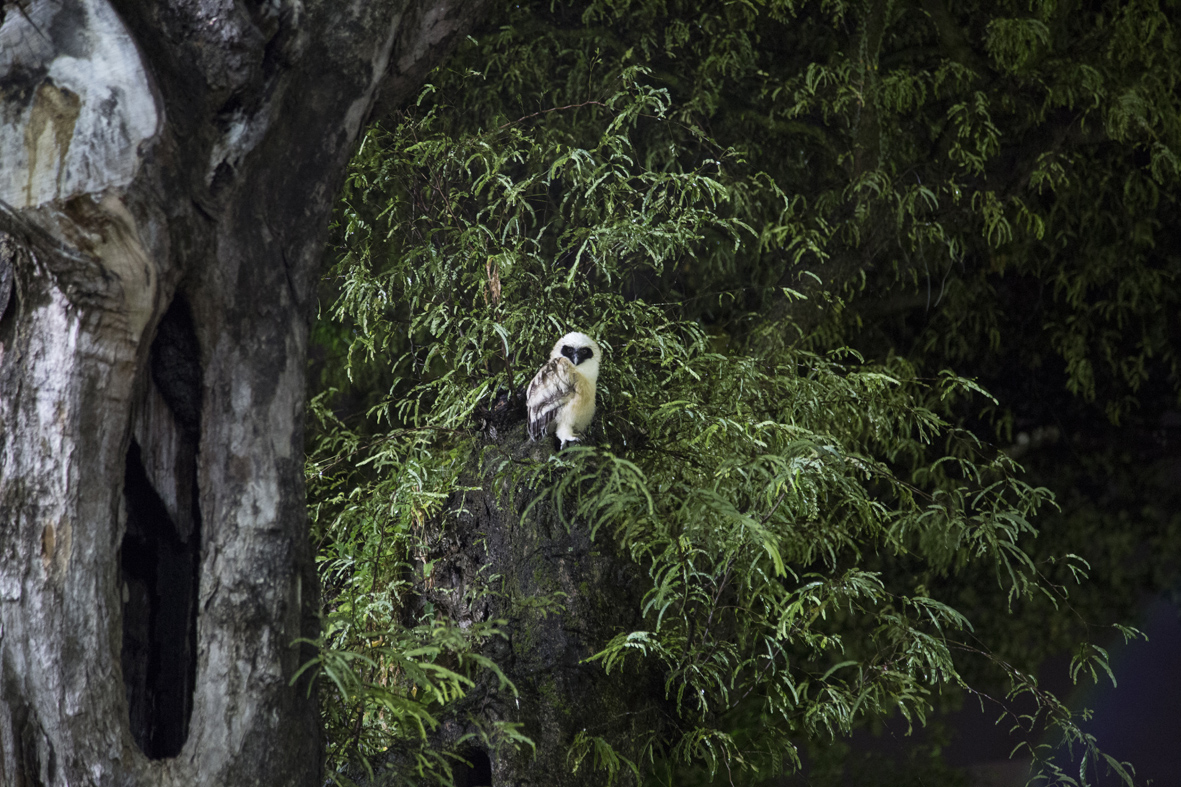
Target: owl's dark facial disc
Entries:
(577, 354)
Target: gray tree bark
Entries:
(167, 170)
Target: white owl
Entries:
(561, 398)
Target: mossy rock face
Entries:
(562, 596)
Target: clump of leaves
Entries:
(804, 517)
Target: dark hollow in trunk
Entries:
(160, 573)
(160, 556)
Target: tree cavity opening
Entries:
(161, 549)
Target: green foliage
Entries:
(754, 502)
(728, 197)
(382, 675)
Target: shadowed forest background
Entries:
(889, 416)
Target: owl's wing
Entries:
(551, 388)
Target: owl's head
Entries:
(582, 351)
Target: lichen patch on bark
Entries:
(49, 131)
(77, 104)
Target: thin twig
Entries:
(551, 109)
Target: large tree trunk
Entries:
(167, 170)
